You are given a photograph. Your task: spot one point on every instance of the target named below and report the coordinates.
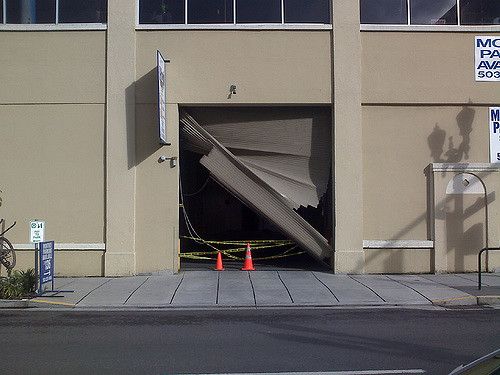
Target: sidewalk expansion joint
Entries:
(253, 289)
(135, 290)
(177, 288)
(415, 290)
(366, 286)
(289, 294)
(326, 286)
(91, 291)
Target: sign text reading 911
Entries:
(487, 58)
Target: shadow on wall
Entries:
(437, 138)
(454, 154)
(142, 122)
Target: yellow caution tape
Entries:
(255, 245)
(241, 242)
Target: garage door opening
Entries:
(256, 174)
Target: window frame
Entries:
(412, 27)
(232, 26)
(4, 26)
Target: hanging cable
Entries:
(200, 189)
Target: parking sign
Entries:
(37, 231)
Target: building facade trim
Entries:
(465, 167)
(266, 26)
(430, 28)
(54, 27)
(398, 244)
(65, 246)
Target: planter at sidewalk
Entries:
(13, 303)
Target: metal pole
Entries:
(36, 269)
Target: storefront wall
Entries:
(52, 115)
(421, 105)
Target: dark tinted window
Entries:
(311, 11)
(88, 11)
(480, 12)
(210, 11)
(161, 11)
(433, 12)
(384, 11)
(35, 11)
(258, 11)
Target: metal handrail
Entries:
(479, 264)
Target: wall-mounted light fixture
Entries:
(232, 91)
(173, 160)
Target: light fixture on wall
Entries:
(232, 91)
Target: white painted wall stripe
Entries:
(465, 167)
(398, 244)
(64, 246)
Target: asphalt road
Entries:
(232, 341)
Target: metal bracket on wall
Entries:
(173, 160)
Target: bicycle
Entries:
(7, 253)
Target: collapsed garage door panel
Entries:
(268, 187)
(289, 148)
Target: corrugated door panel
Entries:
(289, 148)
(247, 186)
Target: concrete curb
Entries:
(456, 301)
(13, 303)
(488, 300)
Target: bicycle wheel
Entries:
(7, 253)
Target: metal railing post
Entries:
(479, 264)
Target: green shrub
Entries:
(18, 284)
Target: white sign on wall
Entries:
(37, 231)
(162, 98)
(494, 116)
(487, 62)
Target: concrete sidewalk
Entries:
(195, 289)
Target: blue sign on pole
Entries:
(46, 266)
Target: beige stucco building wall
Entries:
(79, 145)
(421, 105)
(52, 111)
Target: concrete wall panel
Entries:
(67, 263)
(266, 66)
(398, 144)
(157, 186)
(398, 261)
(52, 168)
(52, 67)
(420, 67)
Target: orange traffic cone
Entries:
(218, 264)
(248, 265)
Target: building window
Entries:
(480, 12)
(234, 11)
(88, 11)
(433, 12)
(30, 11)
(210, 11)
(430, 12)
(311, 11)
(393, 12)
(161, 11)
(53, 11)
(258, 11)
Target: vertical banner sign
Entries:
(494, 118)
(487, 63)
(46, 264)
(162, 98)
